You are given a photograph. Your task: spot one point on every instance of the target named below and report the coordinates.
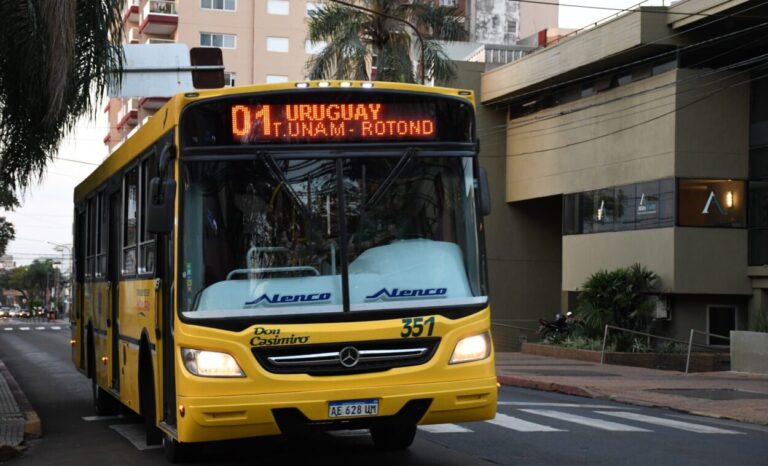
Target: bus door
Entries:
(113, 277)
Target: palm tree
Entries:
(54, 56)
(354, 37)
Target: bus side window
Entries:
(130, 216)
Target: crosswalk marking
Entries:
(444, 429)
(520, 425)
(689, 426)
(585, 421)
(559, 405)
(39, 328)
(8, 329)
(24, 328)
(55, 327)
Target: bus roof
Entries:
(166, 118)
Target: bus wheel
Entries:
(104, 403)
(390, 439)
(176, 452)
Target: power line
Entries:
(652, 57)
(620, 130)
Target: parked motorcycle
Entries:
(562, 324)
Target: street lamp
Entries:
(59, 247)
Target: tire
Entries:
(147, 402)
(393, 439)
(103, 403)
(176, 452)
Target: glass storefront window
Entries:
(647, 205)
(625, 207)
(712, 203)
(603, 210)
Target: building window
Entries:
(712, 203)
(312, 6)
(448, 3)
(630, 207)
(720, 321)
(277, 44)
(225, 5)
(313, 48)
(276, 78)
(229, 78)
(758, 222)
(278, 7)
(224, 41)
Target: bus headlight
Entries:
(472, 348)
(210, 363)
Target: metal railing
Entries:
(689, 343)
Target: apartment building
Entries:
(262, 41)
(643, 140)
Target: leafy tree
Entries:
(354, 36)
(619, 298)
(53, 55)
(7, 234)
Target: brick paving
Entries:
(640, 386)
(12, 420)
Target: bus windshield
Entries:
(265, 236)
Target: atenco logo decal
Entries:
(289, 299)
(396, 293)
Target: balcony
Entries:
(159, 17)
(133, 35)
(152, 103)
(131, 13)
(128, 113)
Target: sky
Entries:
(45, 216)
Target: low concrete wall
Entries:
(700, 362)
(749, 352)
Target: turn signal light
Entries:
(72, 342)
(104, 359)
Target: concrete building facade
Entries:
(644, 140)
(262, 41)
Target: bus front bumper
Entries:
(231, 417)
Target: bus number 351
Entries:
(415, 327)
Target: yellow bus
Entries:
(284, 258)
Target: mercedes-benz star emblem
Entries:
(349, 356)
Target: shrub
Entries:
(619, 298)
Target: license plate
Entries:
(353, 408)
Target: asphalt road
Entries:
(531, 428)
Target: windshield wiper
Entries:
(407, 156)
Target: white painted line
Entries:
(24, 328)
(559, 405)
(8, 329)
(101, 418)
(520, 425)
(39, 328)
(135, 434)
(661, 421)
(585, 421)
(55, 327)
(445, 429)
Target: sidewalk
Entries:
(730, 395)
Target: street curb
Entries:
(33, 427)
(545, 386)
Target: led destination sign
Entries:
(320, 122)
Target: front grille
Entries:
(326, 358)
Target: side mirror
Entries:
(485, 193)
(162, 194)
